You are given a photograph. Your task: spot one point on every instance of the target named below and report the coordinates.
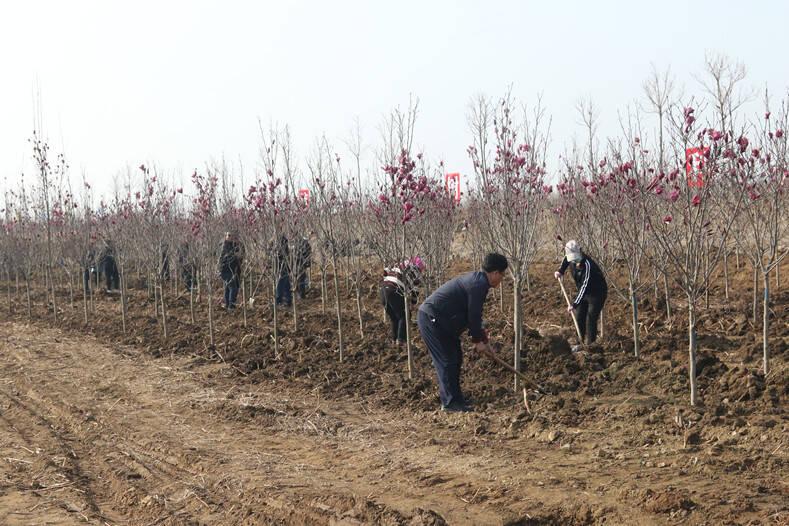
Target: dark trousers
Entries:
(284, 296)
(231, 290)
(394, 304)
(112, 277)
(588, 315)
(301, 285)
(447, 356)
(187, 276)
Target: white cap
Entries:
(572, 251)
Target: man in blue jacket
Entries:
(456, 306)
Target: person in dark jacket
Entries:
(399, 281)
(592, 290)
(453, 308)
(230, 268)
(303, 263)
(282, 266)
(187, 266)
(108, 267)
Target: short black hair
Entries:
(495, 262)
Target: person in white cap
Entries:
(592, 290)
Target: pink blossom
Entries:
(674, 195)
(779, 134)
(696, 200)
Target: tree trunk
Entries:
(778, 276)
(726, 273)
(408, 349)
(707, 275)
(755, 291)
(337, 306)
(123, 298)
(636, 335)
(601, 325)
(54, 294)
(655, 276)
(275, 312)
(85, 295)
(766, 324)
(29, 299)
(164, 311)
(293, 303)
(71, 290)
(155, 297)
(323, 291)
(692, 350)
(192, 302)
(244, 283)
(10, 299)
(209, 294)
(359, 308)
(517, 329)
(668, 298)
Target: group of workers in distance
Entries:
(452, 309)
(456, 307)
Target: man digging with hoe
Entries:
(453, 308)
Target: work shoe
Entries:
(457, 408)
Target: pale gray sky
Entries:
(180, 82)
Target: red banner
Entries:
(695, 158)
(304, 194)
(452, 183)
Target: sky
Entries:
(180, 83)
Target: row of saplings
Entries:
(452, 309)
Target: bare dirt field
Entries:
(101, 428)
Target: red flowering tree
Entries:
(155, 233)
(691, 222)
(763, 175)
(511, 190)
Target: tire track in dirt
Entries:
(158, 451)
(163, 441)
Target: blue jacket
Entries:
(457, 305)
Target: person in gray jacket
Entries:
(453, 308)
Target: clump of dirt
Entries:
(667, 500)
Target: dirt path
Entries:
(100, 435)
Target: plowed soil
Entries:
(102, 427)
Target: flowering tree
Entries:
(154, 204)
(685, 215)
(327, 187)
(204, 242)
(763, 174)
(46, 174)
(511, 190)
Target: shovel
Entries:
(528, 382)
(572, 314)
